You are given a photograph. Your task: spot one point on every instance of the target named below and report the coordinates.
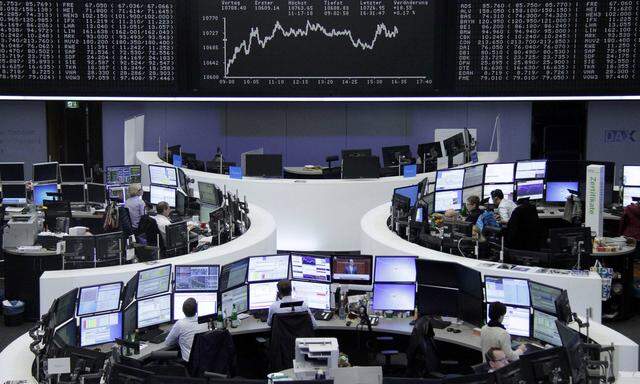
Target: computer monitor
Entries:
(454, 145)
(517, 321)
(161, 175)
(347, 153)
(473, 176)
(129, 319)
(79, 248)
(361, 167)
(471, 309)
(315, 295)
(14, 194)
(117, 192)
(545, 329)
(45, 172)
(568, 241)
(531, 169)
(154, 310)
(234, 274)
(507, 190)
(510, 374)
(129, 292)
(202, 278)
(558, 191)
(312, 268)
(209, 194)
(628, 193)
(436, 301)
(99, 298)
(158, 194)
(153, 281)
(436, 273)
(264, 165)
(543, 297)
(631, 175)
(530, 189)
(449, 179)
(262, 295)
(507, 290)
(40, 192)
(11, 171)
(207, 303)
(390, 155)
(72, 173)
(100, 329)
(572, 342)
(73, 193)
(177, 236)
(95, 193)
(109, 246)
(66, 335)
(499, 173)
(265, 268)
(394, 297)
(123, 174)
(469, 281)
(549, 365)
(445, 200)
(410, 191)
(395, 269)
(429, 150)
(472, 191)
(65, 308)
(352, 269)
(238, 296)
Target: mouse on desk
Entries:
(348, 323)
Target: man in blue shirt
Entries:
(184, 330)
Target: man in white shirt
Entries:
(505, 206)
(162, 218)
(184, 330)
(284, 296)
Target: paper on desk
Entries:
(59, 365)
(357, 375)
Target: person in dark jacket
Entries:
(524, 231)
(630, 221)
(473, 209)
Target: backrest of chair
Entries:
(54, 210)
(285, 328)
(212, 351)
(125, 222)
(149, 227)
(422, 356)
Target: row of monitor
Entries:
(52, 172)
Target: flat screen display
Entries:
(262, 295)
(196, 278)
(100, 329)
(207, 303)
(315, 295)
(449, 179)
(445, 200)
(507, 290)
(265, 268)
(160, 175)
(499, 173)
(394, 297)
(395, 269)
(312, 268)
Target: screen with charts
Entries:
(473, 176)
(394, 297)
(499, 173)
(99, 298)
(631, 175)
(237, 296)
(207, 303)
(449, 179)
(472, 191)
(545, 329)
(154, 311)
(411, 192)
(233, 274)
(558, 191)
(628, 194)
(314, 268)
(355, 269)
(100, 329)
(40, 192)
(264, 268)
(395, 269)
(166, 194)
(507, 290)
(163, 175)
(517, 321)
(154, 281)
(262, 295)
(532, 169)
(532, 189)
(543, 297)
(315, 295)
(196, 277)
(507, 190)
(445, 200)
(123, 175)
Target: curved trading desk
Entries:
(312, 215)
(260, 239)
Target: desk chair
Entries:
(331, 172)
(149, 233)
(285, 329)
(166, 363)
(212, 352)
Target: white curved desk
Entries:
(312, 215)
(260, 239)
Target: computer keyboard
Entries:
(261, 315)
(323, 315)
(151, 335)
(159, 338)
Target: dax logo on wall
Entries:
(620, 136)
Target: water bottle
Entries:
(341, 309)
(234, 317)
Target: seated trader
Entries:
(162, 218)
(184, 330)
(504, 206)
(473, 209)
(135, 204)
(524, 231)
(630, 221)
(496, 359)
(284, 296)
(494, 334)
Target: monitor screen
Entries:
(130, 320)
(395, 269)
(628, 194)
(315, 295)
(207, 303)
(449, 179)
(473, 191)
(499, 173)
(154, 281)
(119, 193)
(531, 169)
(233, 274)
(394, 297)
(264, 268)
(262, 295)
(543, 297)
(558, 191)
(72, 173)
(436, 273)
(11, 172)
(437, 301)
(237, 296)
(208, 194)
(264, 165)
(40, 192)
(545, 329)
(473, 176)
(67, 334)
(196, 277)
(166, 194)
(507, 290)
(163, 175)
(45, 172)
(123, 175)
(65, 308)
(532, 189)
(517, 321)
(631, 175)
(411, 192)
(154, 311)
(470, 309)
(100, 329)
(313, 268)
(73, 193)
(507, 190)
(99, 298)
(95, 193)
(352, 269)
(445, 200)
(14, 194)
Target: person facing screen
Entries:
(505, 206)
(135, 205)
(495, 335)
(284, 296)
(184, 330)
(496, 359)
(473, 209)
(162, 218)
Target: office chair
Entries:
(165, 363)
(331, 159)
(212, 352)
(149, 233)
(331, 173)
(285, 329)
